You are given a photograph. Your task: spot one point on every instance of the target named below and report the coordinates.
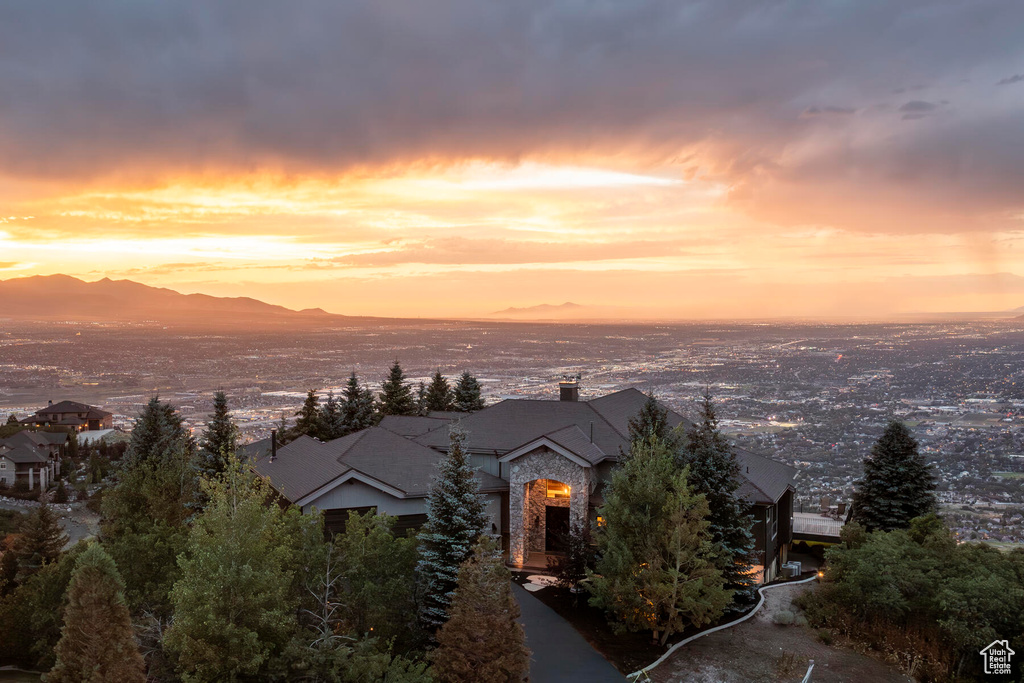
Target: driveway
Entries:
(560, 654)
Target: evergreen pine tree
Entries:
(157, 430)
(650, 422)
(455, 518)
(483, 641)
(357, 408)
(12, 419)
(897, 485)
(657, 562)
(396, 397)
(219, 439)
(421, 399)
(467, 394)
(41, 541)
(97, 643)
(715, 473)
(309, 417)
(332, 419)
(440, 395)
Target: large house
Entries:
(31, 457)
(71, 414)
(541, 465)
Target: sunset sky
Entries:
(448, 158)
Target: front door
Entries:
(557, 528)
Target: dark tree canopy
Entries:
(41, 541)
(332, 419)
(897, 485)
(309, 417)
(219, 439)
(715, 473)
(467, 394)
(650, 423)
(439, 394)
(396, 397)
(157, 431)
(357, 409)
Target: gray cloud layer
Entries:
(109, 86)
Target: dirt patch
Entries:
(758, 650)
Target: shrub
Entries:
(825, 636)
(61, 494)
(95, 503)
(801, 621)
(783, 618)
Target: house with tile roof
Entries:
(541, 464)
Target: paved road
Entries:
(560, 654)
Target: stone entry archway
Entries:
(530, 495)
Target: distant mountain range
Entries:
(62, 297)
(542, 310)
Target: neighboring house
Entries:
(542, 465)
(32, 457)
(25, 464)
(77, 416)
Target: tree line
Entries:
(357, 408)
(900, 582)
(202, 572)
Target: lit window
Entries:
(600, 521)
(557, 489)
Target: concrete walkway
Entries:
(560, 654)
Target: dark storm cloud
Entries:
(102, 87)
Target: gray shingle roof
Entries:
(21, 455)
(573, 439)
(764, 479)
(305, 465)
(411, 425)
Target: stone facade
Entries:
(528, 497)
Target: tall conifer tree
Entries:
(715, 473)
(309, 416)
(455, 519)
(41, 541)
(467, 394)
(396, 397)
(897, 485)
(97, 643)
(483, 641)
(332, 419)
(219, 439)
(357, 408)
(440, 396)
(158, 430)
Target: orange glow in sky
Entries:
(644, 160)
